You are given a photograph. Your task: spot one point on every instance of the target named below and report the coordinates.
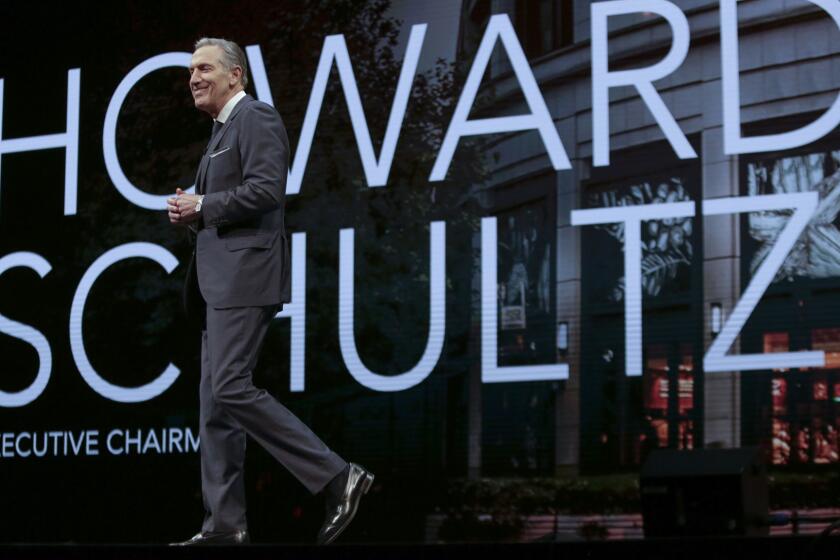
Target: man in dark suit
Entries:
(238, 279)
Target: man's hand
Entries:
(181, 207)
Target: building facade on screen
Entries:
(562, 286)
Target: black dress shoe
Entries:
(341, 512)
(236, 537)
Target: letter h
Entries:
(68, 140)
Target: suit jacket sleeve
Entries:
(264, 153)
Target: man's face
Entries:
(210, 83)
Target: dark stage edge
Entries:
(787, 548)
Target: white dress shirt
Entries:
(226, 110)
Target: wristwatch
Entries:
(198, 204)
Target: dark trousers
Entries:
(231, 407)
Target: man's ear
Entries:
(236, 72)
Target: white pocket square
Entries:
(219, 152)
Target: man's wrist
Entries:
(198, 204)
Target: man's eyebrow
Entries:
(200, 64)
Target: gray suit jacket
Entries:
(241, 252)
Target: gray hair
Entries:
(232, 55)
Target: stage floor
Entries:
(764, 548)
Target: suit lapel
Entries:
(205, 161)
(244, 101)
(199, 178)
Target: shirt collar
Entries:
(225, 112)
